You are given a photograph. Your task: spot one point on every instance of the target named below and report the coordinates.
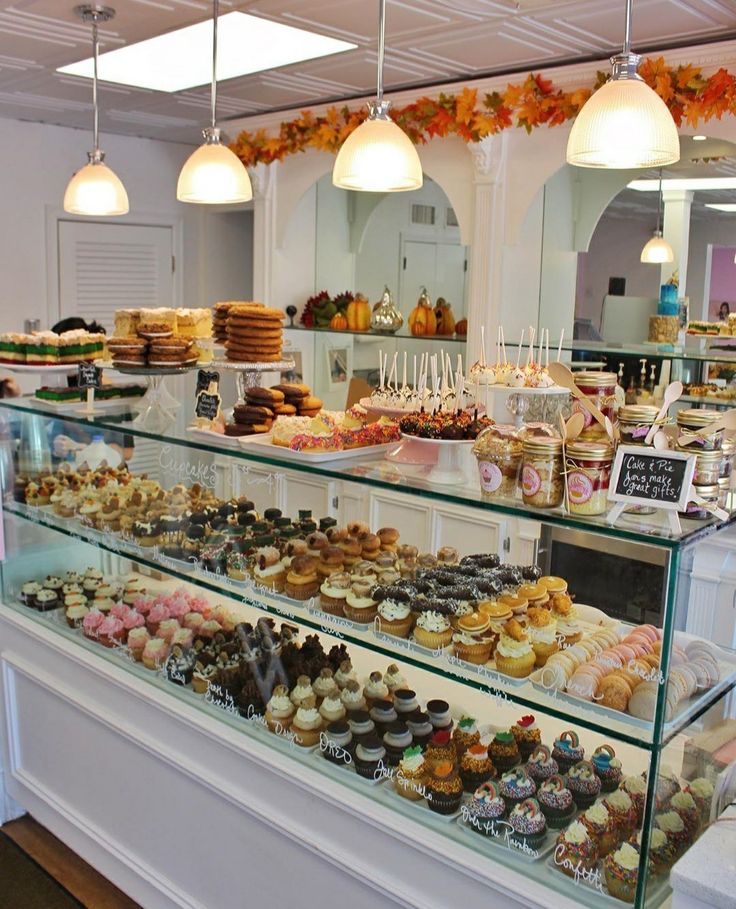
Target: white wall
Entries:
(36, 162)
(716, 230)
(334, 258)
(294, 259)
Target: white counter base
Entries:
(180, 810)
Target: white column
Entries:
(676, 230)
(489, 159)
(263, 177)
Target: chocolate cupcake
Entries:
(420, 727)
(336, 743)
(361, 725)
(439, 714)
(444, 789)
(370, 756)
(405, 702)
(556, 801)
(396, 740)
(383, 715)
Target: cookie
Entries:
(246, 310)
(253, 358)
(284, 410)
(293, 390)
(266, 396)
(250, 413)
(239, 429)
(310, 403)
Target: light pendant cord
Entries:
(381, 43)
(96, 121)
(215, 10)
(659, 202)
(627, 27)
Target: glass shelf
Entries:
(495, 685)
(377, 472)
(403, 334)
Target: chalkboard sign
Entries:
(204, 378)
(207, 405)
(88, 375)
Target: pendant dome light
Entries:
(658, 251)
(624, 124)
(213, 175)
(95, 190)
(378, 156)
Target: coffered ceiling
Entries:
(427, 41)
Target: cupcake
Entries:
(527, 735)
(542, 629)
(583, 783)
(405, 702)
(375, 689)
(466, 734)
(636, 788)
(335, 743)
(361, 725)
(307, 723)
(701, 790)
(411, 774)
(433, 630)
(667, 785)
(528, 823)
(75, 609)
(394, 678)
(514, 655)
(620, 806)
(472, 640)
(440, 748)
(302, 690)
(485, 810)
(601, 827)
(439, 714)
(444, 788)
(673, 827)
(396, 739)
(420, 727)
(352, 697)
(541, 765)
(567, 750)
(515, 786)
(345, 673)
(383, 715)
(661, 853)
(370, 757)
(565, 615)
(332, 709)
(137, 640)
(47, 599)
(575, 850)
(323, 685)
(268, 569)
(556, 801)
(154, 653)
(621, 870)
(111, 632)
(28, 593)
(684, 804)
(359, 605)
(333, 593)
(91, 624)
(476, 767)
(280, 710)
(608, 767)
(394, 618)
(504, 752)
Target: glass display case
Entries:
(520, 682)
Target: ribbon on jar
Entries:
(713, 507)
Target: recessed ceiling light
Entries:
(696, 183)
(182, 59)
(699, 138)
(723, 206)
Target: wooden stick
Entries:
(559, 346)
(521, 344)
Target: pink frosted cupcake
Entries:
(91, 624)
(155, 653)
(119, 610)
(110, 632)
(193, 621)
(183, 638)
(178, 607)
(143, 605)
(167, 629)
(200, 605)
(131, 620)
(159, 613)
(137, 640)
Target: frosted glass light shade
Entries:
(657, 251)
(213, 175)
(378, 157)
(625, 124)
(96, 190)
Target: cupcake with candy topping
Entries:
(556, 801)
(420, 727)
(486, 809)
(567, 750)
(503, 751)
(636, 788)
(515, 786)
(441, 748)
(583, 783)
(601, 827)
(607, 767)
(476, 767)
(621, 870)
(411, 774)
(527, 735)
(575, 850)
(466, 734)
(541, 765)
(528, 823)
(444, 788)
(673, 827)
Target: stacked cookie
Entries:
(298, 400)
(159, 352)
(219, 321)
(254, 333)
(128, 351)
(256, 416)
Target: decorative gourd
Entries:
(422, 320)
(359, 314)
(338, 322)
(461, 328)
(444, 316)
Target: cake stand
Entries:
(57, 374)
(249, 375)
(157, 408)
(444, 454)
(519, 398)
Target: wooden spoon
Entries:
(672, 393)
(562, 376)
(661, 441)
(574, 427)
(727, 421)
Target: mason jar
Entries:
(600, 389)
(499, 457)
(697, 511)
(692, 421)
(542, 484)
(588, 476)
(635, 421)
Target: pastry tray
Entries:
(657, 888)
(421, 807)
(501, 844)
(211, 436)
(340, 771)
(263, 443)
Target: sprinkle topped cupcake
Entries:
(567, 750)
(583, 783)
(466, 734)
(528, 822)
(487, 804)
(475, 767)
(620, 806)
(411, 774)
(444, 789)
(541, 765)
(515, 786)
(608, 767)
(504, 751)
(575, 850)
(527, 735)
(556, 801)
(621, 869)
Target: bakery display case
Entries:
(513, 688)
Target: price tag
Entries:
(205, 378)
(88, 375)
(645, 476)
(208, 405)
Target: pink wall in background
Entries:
(722, 279)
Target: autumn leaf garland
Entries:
(690, 96)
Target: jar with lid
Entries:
(692, 421)
(707, 467)
(588, 476)
(600, 389)
(635, 421)
(499, 455)
(727, 452)
(541, 472)
(697, 510)
(724, 493)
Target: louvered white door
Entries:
(104, 267)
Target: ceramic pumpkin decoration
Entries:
(338, 322)
(444, 316)
(359, 314)
(422, 320)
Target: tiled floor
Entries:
(74, 874)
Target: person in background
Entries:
(724, 312)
